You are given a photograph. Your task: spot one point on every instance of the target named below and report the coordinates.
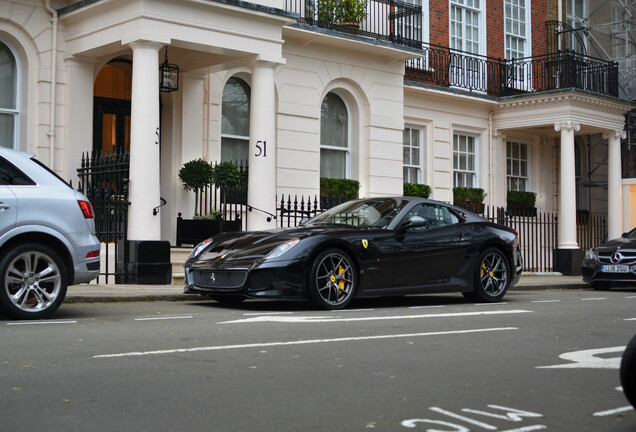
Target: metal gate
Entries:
(104, 181)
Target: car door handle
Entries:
(4, 206)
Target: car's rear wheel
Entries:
(492, 277)
(333, 279)
(628, 372)
(33, 281)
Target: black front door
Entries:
(111, 125)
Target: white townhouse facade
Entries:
(266, 81)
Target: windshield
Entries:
(368, 213)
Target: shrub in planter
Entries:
(416, 190)
(521, 199)
(470, 198)
(226, 176)
(462, 195)
(348, 12)
(335, 191)
(195, 175)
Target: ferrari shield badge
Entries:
(365, 243)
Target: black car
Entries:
(613, 261)
(363, 248)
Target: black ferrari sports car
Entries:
(610, 262)
(363, 248)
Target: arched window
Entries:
(334, 137)
(235, 126)
(8, 98)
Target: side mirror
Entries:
(625, 235)
(414, 222)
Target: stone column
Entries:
(614, 184)
(144, 187)
(567, 186)
(568, 256)
(261, 192)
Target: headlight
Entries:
(197, 250)
(282, 249)
(591, 255)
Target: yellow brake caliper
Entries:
(341, 283)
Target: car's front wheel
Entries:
(33, 282)
(492, 277)
(333, 279)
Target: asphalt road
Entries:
(542, 360)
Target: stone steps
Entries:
(178, 255)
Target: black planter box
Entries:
(522, 211)
(144, 262)
(194, 231)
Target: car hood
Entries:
(246, 248)
(621, 242)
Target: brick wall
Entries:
(540, 12)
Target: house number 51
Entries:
(261, 148)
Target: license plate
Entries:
(615, 269)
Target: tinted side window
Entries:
(436, 215)
(11, 176)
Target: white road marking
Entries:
(630, 319)
(164, 318)
(630, 297)
(267, 313)
(427, 307)
(324, 319)
(298, 342)
(545, 301)
(491, 304)
(594, 298)
(463, 418)
(352, 310)
(613, 411)
(40, 323)
(587, 359)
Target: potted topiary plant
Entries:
(469, 198)
(195, 176)
(227, 177)
(521, 203)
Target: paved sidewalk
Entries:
(91, 293)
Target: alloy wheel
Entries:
(493, 274)
(32, 281)
(335, 279)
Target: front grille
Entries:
(626, 257)
(219, 279)
(260, 281)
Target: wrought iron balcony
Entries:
(390, 20)
(446, 67)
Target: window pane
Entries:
(236, 108)
(333, 163)
(234, 150)
(7, 78)
(334, 121)
(6, 130)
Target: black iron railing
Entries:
(446, 67)
(104, 181)
(390, 20)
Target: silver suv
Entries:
(47, 237)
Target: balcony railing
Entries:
(446, 67)
(390, 20)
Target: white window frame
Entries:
(464, 7)
(15, 111)
(475, 155)
(522, 76)
(509, 159)
(347, 149)
(573, 18)
(420, 163)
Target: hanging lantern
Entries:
(168, 76)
